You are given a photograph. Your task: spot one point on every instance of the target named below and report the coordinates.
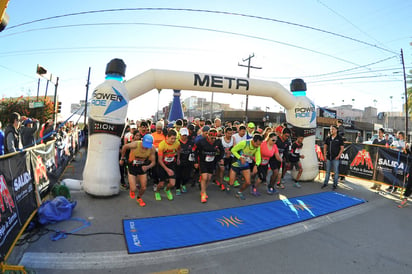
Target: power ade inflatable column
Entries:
(302, 117)
(108, 111)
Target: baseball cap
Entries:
(170, 125)
(27, 121)
(279, 129)
(184, 131)
(251, 125)
(147, 141)
(205, 128)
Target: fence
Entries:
(26, 177)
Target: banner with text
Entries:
(17, 200)
(371, 162)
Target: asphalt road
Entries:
(369, 238)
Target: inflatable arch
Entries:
(101, 175)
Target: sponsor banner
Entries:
(361, 160)
(391, 166)
(43, 164)
(327, 113)
(103, 127)
(17, 198)
(300, 131)
(371, 163)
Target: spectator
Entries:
(359, 138)
(12, 141)
(333, 149)
(1, 140)
(27, 131)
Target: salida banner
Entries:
(17, 198)
(371, 162)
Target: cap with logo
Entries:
(147, 141)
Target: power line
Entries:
(203, 29)
(348, 21)
(206, 11)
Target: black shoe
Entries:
(334, 187)
(323, 186)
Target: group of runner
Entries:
(179, 153)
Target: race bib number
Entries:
(169, 159)
(209, 158)
(265, 161)
(249, 160)
(138, 162)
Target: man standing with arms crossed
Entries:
(332, 149)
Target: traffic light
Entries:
(40, 70)
(59, 107)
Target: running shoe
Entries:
(226, 178)
(184, 189)
(157, 196)
(296, 184)
(403, 203)
(132, 194)
(203, 197)
(217, 183)
(222, 187)
(240, 195)
(178, 192)
(236, 184)
(169, 195)
(140, 202)
(280, 185)
(254, 191)
(271, 190)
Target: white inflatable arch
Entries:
(101, 176)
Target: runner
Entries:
(283, 145)
(294, 159)
(169, 158)
(227, 143)
(244, 152)
(209, 152)
(141, 159)
(185, 168)
(268, 150)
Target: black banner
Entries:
(371, 162)
(43, 164)
(17, 200)
(102, 127)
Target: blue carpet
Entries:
(167, 232)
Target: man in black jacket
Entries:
(12, 134)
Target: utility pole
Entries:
(406, 99)
(248, 76)
(87, 94)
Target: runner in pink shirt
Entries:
(268, 150)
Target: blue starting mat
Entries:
(177, 231)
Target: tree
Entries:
(21, 105)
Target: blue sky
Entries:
(357, 59)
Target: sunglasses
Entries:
(273, 140)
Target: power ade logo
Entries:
(113, 101)
(306, 112)
(220, 81)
